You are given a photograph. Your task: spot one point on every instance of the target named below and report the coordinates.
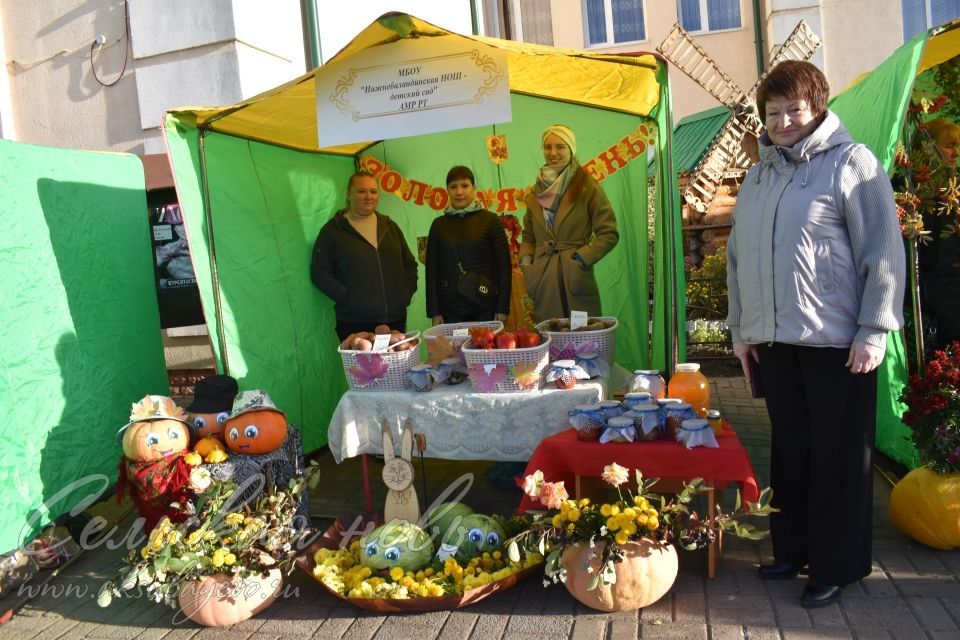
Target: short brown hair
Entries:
(460, 172)
(941, 128)
(795, 80)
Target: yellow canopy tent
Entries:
(255, 189)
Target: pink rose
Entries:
(552, 494)
(614, 475)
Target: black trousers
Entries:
(823, 422)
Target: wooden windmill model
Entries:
(744, 127)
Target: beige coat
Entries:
(584, 224)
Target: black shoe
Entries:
(779, 571)
(819, 595)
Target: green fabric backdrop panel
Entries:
(620, 274)
(873, 111)
(268, 205)
(79, 326)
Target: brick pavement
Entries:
(912, 593)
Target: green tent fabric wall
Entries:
(79, 326)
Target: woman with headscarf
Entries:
(569, 226)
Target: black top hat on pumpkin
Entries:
(214, 395)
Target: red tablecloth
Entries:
(562, 456)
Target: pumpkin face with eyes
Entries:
(154, 439)
(256, 432)
(209, 424)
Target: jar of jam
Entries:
(610, 409)
(619, 429)
(715, 421)
(587, 419)
(691, 386)
(648, 380)
(634, 398)
(674, 415)
(647, 420)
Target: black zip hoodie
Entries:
(367, 284)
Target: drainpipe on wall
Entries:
(758, 39)
(311, 34)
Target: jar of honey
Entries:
(691, 386)
(715, 421)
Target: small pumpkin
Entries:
(925, 505)
(646, 574)
(208, 424)
(220, 600)
(396, 544)
(256, 432)
(154, 439)
(207, 448)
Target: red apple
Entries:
(506, 340)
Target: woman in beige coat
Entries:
(569, 226)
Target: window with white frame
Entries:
(708, 15)
(614, 21)
(920, 15)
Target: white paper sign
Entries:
(381, 341)
(411, 87)
(462, 331)
(577, 319)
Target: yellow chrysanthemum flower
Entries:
(396, 574)
(573, 515)
(621, 537)
(606, 510)
(234, 519)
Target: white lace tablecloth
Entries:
(460, 424)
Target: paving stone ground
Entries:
(912, 593)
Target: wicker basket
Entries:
(446, 330)
(370, 376)
(538, 355)
(604, 339)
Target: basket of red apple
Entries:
(507, 362)
(459, 332)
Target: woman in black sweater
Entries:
(473, 237)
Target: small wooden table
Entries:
(563, 457)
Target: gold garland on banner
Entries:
(509, 199)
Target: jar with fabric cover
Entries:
(619, 429)
(674, 414)
(648, 380)
(587, 419)
(647, 420)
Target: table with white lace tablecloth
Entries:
(459, 423)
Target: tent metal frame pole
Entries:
(214, 274)
(913, 267)
(671, 190)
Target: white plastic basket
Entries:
(370, 374)
(446, 330)
(539, 356)
(604, 339)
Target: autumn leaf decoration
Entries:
(486, 376)
(440, 348)
(525, 375)
(146, 407)
(369, 369)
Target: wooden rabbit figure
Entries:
(402, 502)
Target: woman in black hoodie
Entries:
(362, 262)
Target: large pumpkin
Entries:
(256, 432)
(154, 439)
(646, 574)
(220, 600)
(925, 505)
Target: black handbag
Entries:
(475, 287)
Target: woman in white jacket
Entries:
(816, 278)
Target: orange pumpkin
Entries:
(925, 505)
(220, 600)
(155, 439)
(256, 432)
(208, 424)
(646, 574)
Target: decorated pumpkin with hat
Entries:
(212, 403)
(152, 469)
(255, 426)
